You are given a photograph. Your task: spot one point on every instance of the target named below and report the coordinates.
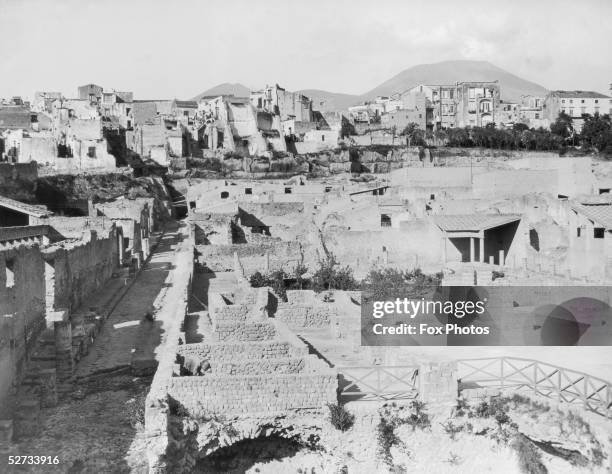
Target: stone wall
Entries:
(203, 396)
(81, 267)
(251, 351)
(272, 208)
(264, 257)
(22, 311)
(243, 331)
(305, 316)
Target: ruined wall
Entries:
(82, 267)
(302, 315)
(252, 351)
(273, 393)
(261, 210)
(212, 229)
(243, 331)
(22, 310)
(274, 255)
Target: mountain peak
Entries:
(451, 71)
(226, 88)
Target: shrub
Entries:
(275, 280)
(388, 282)
(418, 419)
(386, 438)
(340, 418)
(451, 429)
(330, 276)
(529, 458)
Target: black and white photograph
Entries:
(319, 237)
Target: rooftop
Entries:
(474, 222)
(600, 213)
(580, 94)
(31, 210)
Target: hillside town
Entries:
(101, 126)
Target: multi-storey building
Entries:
(477, 103)
(289, 105)
(576, 104)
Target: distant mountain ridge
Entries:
(227, 88)
(445, 72)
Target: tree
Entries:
(390, 282)
(411, 131)
(562, 126)
(596, 132)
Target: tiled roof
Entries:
(473, 222)
(598, 213)
(31, 210)
(580, 94)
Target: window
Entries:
(192, 204)
(582, 101)
(432, 197)
(599, 232)
(248, 190)
(91, 151)
(322, 138)
(10, 273)
(287, 190)
(596, 101)
(571, 101)
(224, 194)
(385, 220)
(537, 116)
(578, 231)
(563, 101)
(328, 189)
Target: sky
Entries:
(167, 49)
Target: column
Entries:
(501, 258)
(481, 254)
(444, 252)
(472, 249)
(63, 349)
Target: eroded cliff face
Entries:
(362, 159)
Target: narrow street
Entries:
(97, 426)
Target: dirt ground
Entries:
(96, 430)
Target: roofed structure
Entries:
(473, 222)
(601, 213)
